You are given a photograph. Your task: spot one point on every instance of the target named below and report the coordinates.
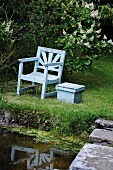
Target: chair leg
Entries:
(18, 86)
(43, 90)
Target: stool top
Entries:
(70, 86)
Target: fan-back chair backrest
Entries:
(48, 55)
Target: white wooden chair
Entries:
(48, 67)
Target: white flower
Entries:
(73, 18)
(71, 37)
(90, 30)
(64, 32)
(95, 56)
(3, 23)
(71, 2)
(12, 41)
(110, 41)
(77, 5)
(103, 41)
(105, 38)
(94, 14)
(92, 26)
(97, 36)
(83, 3)
(81, 41)
(98, 31)
(81, 31)
(104, 45)
(75, 32)
(91, 5)
(84, 36)
(69, 43)
(87, 44)
(73, 40)
(98, 17)
(62, 4)
(92, 38)
(87, 5)
(79, 25)
(78, 42)
(8, 25)
(98, 44)
(11, 31)
(7, 28)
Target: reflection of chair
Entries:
(34, 159)
(48, 67)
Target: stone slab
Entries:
(101, 135)
(93, 157)
(102, 123)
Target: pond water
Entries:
(21, 153)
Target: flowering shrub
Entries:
(74, 25)
(80, 35)
(6, 47)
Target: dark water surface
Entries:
(21, 153)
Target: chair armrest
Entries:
(53, 64)
(28, 59)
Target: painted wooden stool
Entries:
(69, 92)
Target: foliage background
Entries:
(29, 23)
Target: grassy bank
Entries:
(64, 118)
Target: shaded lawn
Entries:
(97, 99)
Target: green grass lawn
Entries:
(60, 117)
(97, 99)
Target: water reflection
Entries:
(33, 157)
(21, 153)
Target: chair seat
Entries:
(39, 77)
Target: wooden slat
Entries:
(51, 93)
(51, 50)
(38, 77)
(50, 57)
(44, 56)
(49, 68)
(41, 61)
(28, 59)
(53, 69)
(56, 58)
(41, 67)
